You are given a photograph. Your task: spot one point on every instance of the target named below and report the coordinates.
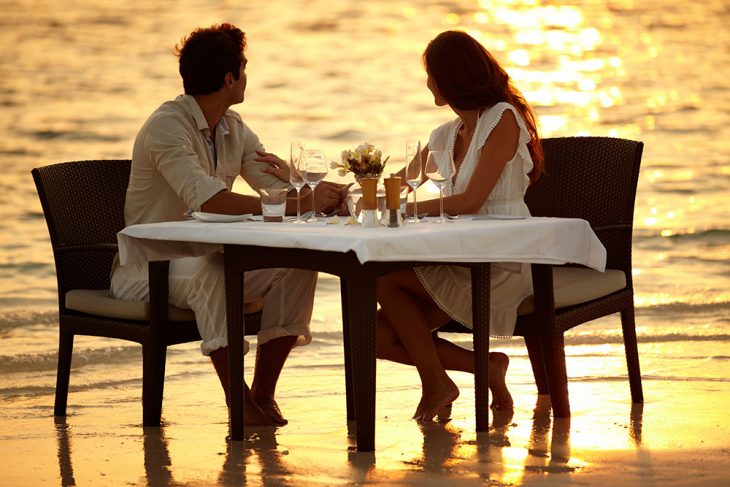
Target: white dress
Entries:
(450, 286)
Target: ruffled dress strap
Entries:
(490, 120)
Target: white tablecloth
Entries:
(535, 240)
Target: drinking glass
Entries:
(273, 204)
(440, 169)
(413, 173)
(295, 177)
(313, 168)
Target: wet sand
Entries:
(680, 436)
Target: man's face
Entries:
(239, 86)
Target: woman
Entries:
(496, 152)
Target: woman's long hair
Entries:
(469, 78)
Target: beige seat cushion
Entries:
(101, 303)
(575, 285)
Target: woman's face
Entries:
(437, 99)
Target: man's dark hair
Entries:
(207, 55)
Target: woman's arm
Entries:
(499, 148)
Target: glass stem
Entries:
(415, 205)
(441, 202)
(299, 211)
(314, 212)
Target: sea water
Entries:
(78, 80)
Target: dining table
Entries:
(359, 255)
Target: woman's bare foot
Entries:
(498, 364)
(432, 402)
(444, 415)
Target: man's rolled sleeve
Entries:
(252, 171)
(177, 162)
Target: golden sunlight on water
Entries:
(335, 74)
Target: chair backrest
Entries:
(83, 203)
(593, 178)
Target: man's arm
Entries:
(229, 203)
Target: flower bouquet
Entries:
(364, 162)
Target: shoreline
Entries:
(678, 437)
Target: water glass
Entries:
(273, 204)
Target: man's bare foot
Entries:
(432, 403)
(498, 364)
(271, 408)
(253, 415)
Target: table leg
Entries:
(362, 311)
(553, 345)
(346, 345)
(480, 275)
(234, 311)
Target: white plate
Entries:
(219, 218)
(499, 217)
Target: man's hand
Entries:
(276, 166)
(327, 197)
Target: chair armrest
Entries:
(616, 228)
(101, 247)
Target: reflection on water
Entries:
(555, 458)
(63, 436)
(444, 449)
(636, 422)
(338, 73)
(262, 451)
(234, 467)
(157, 462)
(440, 442)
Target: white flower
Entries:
(364, 159)
(334, 165)
(365, 148)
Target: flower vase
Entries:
(370, 217)
(354, 194)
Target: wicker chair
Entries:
(83, 203)
(593, 178)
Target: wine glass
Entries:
(313, 168)
(440, 169)
(295, 177)
(413, 173)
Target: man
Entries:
(186, 157)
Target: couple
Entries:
(189, 151)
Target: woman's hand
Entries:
(344, 210)
(276, 166)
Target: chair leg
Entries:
(632, 354)
(537, 360)
(65, 350)
(557, 376)
(153, 382)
